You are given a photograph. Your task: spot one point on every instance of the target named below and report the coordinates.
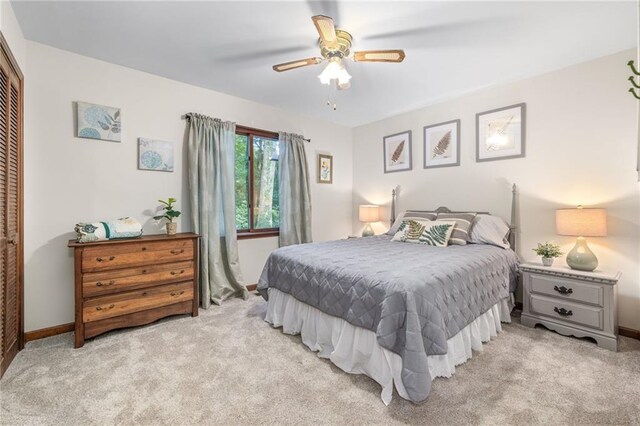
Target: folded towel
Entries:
(125, 227)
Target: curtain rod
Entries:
(185, 116)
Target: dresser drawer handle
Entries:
(563, 312)
(100, 259)
(101, 284)
(177, 273)
(100, 308)
(174, 294)
(563, 289)
(177, 251)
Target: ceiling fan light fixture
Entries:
(334, 71)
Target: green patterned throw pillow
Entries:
(432, 233)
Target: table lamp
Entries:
(582, 223)
(368, 214)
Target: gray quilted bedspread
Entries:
(413, 296)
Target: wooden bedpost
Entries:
(393, 205)
(513, 225)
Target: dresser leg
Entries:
(79, 339)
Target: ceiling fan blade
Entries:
(296, 64)
(394, 55)
(326, 30)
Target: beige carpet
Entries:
(229, 367)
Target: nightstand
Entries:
(571, 302)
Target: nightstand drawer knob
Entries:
(101, 284)
(563, 289)
(563, 312)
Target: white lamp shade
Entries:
(581, 222)
(369, 213)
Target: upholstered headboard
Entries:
(512, 224)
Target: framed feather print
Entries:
(397, 152)
(325, 168)
(500, 133)
(442, 144)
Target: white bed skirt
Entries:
(356, 350)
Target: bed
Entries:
(400, 313)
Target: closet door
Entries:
(11, 294)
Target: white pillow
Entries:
(433, 233)
(489, 229)
(410, 215)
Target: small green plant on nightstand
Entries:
(548, 251)
(169, 213)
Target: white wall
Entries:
(69, 179)
(13, 34)
(580, 149)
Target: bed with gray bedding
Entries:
(414, 297)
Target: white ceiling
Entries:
(451, 47)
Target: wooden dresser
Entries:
(578, 303)
(124, 283)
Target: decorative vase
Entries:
(547, 261)
(172, 227)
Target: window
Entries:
(256, 172)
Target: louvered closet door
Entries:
(10, 212)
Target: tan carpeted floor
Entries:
(229, 367)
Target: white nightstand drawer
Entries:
(589, 316)
(567, 289)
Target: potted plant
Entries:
(169, 214)
(548, 251)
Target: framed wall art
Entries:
(442, 144)
(397, 152)
(98, 122)
(325, 168)
(155, 155)
(500, 133)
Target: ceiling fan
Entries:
(335, 45)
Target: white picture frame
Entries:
(441, 144)
(500, 133)
(397, 152)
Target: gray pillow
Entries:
(489, 229)
(410, 214)
(460, 234)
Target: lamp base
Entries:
(368, 231)
(581, 257)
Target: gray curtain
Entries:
(211, 168)
(295, 197)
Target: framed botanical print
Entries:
(442, 144)
(397, 152)
(155, 155)
(500, 133)
(98, 122)
(325, 168)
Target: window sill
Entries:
(258, 234)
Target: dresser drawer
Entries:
(115, 281)
(135, 254)
(115, 305)
(567, 289)
(588, 316)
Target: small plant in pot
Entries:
(169, 214)
(548, 251)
